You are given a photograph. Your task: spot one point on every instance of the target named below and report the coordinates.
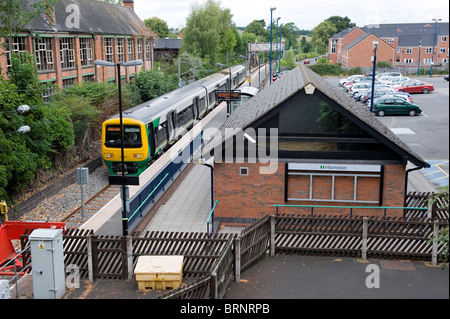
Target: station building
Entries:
(79, 32)
(302, 141)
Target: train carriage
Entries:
(151, 127)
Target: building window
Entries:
(139, 49)
(86, 52)
(426, 61)
(444, 39)
(69, 82)
(120, 51)
(409, 60)
(49, 90)
(130, 49)
(109, 53)
(147, 50)
(44, 54)
(18, 45)
(390, 40)
(67, 53)
(243, 171)
(428, 50)
(442, 50)
(445, 60)
(88, 78)
(409, 51)
(333, 46)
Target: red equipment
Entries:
(11, 230)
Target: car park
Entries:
(416, 87)
(348, 79)
(392, 105)
(391, 74)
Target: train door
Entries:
(171, 125)
(196, 110)
(152, 139)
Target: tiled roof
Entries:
(286, 87)
(95, 17)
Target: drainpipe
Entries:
(406, 179)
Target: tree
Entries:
(321, 34)
(340, 23)
(158, 26)
(258, 27)
(207, 32)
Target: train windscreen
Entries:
(132, 136)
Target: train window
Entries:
(132, 136)
(161, 134)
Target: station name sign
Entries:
(334, 167)
(227, 95)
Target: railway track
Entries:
(75, 219)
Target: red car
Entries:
(416, 87)
(306, 61)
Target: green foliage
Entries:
(150, 84)
(383, 64)
(327, 69)
(207, 33)
(289, 60)
(21, 156)
(320, 36)
(158, 26)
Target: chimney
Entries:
(129, 3)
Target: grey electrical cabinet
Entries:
(4, 289)
(47, 257)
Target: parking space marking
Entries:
(435, 173)
(402, 131)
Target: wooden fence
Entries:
(211, 263)
(423, 200)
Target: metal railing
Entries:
(17, 273)
(211, 220)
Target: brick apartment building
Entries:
(399, 44)
(84, 31)
(328, 150)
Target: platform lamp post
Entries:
(434, 41)
(375, 45)
(124, 184)
(418, 64)
(271, 39)
(276, 44)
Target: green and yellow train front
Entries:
(136, 146)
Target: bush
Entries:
(327, 69)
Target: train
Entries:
(152, 127)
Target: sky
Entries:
(305, 15)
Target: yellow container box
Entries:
(159, 272)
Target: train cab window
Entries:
(132, 136)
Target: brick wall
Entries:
(342, 42)
(254, 195)
(361, 53)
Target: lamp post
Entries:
(375, 45)
(271, 14)
(434, 41)
(418, 65)
(276, 48)
(279, 56)
(122, 129)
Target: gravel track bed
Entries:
(53, 209)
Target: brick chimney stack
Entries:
(129, 3)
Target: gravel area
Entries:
(65, 201)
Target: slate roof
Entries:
(408, 34)
(286, 87)
(168, 44)
(96, 17)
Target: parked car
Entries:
(348, 79)
(391, 74)
(306, 61)
(377, 94)
(391, 105)
(446, 77)
(416, 87)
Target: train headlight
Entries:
(109, 155)
(138, 155)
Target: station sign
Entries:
(227, 95)
(334, 167)
(118, 180)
